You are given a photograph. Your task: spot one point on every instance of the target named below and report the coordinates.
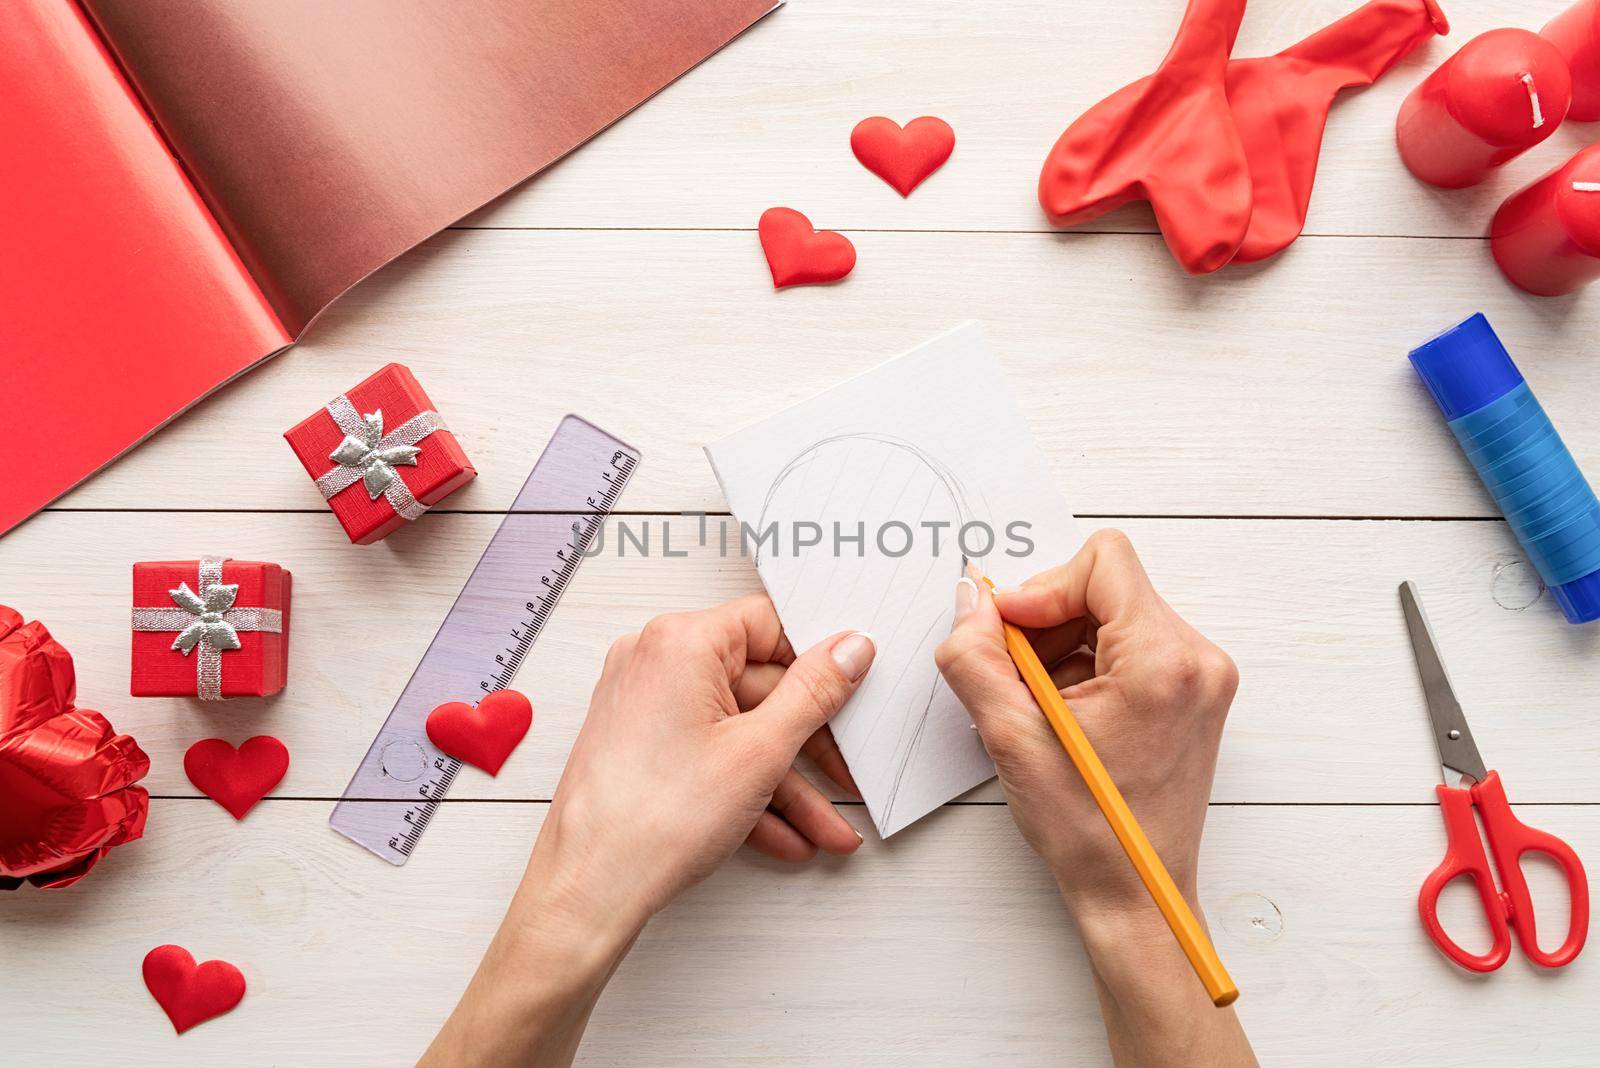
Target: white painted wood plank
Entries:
(1330, 708)
(946, 946)
(768, 120)
(1285, 391)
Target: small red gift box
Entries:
(380, 454)
(209, 628)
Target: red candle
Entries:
(1547, 238)
(1576, 32)
(1503, 93)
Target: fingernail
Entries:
(859, 836)
(854, 654)
(966, 598)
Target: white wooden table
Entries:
(1259, 434)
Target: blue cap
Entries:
(1579, 599)
(1466, 367)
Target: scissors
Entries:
(1467, 786)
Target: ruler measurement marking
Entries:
(444, 769)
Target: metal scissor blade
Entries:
(1458, 753)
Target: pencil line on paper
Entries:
(916, 734)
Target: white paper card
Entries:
(858, 505)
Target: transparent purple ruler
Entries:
(497, 617)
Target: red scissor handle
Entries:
(1509, 839)
(1464, 855)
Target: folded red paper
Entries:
(209, 628)
(186, 186)
(380, 454)
(67, 793)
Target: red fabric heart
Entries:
(799, 254)
(187, 992)
(484, 736)
(236, 778)
(903, 157)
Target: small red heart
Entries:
(801, 255)
(187, 992)
(482, 736)
(903, 157)
(236, 778)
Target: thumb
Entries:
(976, 666)
(817, 685)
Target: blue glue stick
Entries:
(1520, 458)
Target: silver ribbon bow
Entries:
(207, 622)
(368, 455)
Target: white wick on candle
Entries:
(1586, 187)
(1533, 98)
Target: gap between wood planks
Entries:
(647, 514)
(942, 230)
(862, 804)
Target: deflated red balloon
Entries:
(1169, 139)
(1281, 106)
(1163, 138)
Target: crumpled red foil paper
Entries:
(67, 793)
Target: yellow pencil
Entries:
(1185, 927)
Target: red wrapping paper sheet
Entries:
(322, 140)
(120, 301)
(66, 777)
(441, 468)
(257, 668)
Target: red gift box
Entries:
(380, 454)
(209, 628)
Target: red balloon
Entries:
(1169, 139)
(1225, 151)
(66, 776)
(1281, 104)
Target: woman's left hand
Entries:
(688, 750)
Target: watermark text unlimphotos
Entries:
(673, 536)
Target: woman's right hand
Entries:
(1152, 694)
(1149, 691)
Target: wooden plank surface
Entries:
(1256, 433)
(1282, 391)
(1330, 709)
(945, 946)
(768, 121)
